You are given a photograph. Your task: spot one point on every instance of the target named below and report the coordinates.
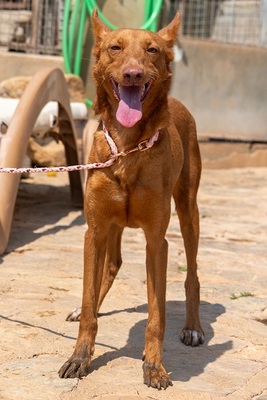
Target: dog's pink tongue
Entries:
(129, 111)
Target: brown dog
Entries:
(133, 76)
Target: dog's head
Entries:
(132, 71)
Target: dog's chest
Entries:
(127, 194)
(134, 188)
(123, 189)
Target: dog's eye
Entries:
(152, 50)
(115, 48)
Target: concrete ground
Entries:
(41, 281)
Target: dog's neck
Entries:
(142, 146)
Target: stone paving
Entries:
(41, 281)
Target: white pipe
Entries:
(47, 117)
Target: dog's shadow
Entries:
(183, 361)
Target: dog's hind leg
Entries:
(112, 265)
(185, 194)
(113, 261)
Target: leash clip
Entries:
(142, 146)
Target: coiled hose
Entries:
(74, 20)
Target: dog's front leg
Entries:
(78, 364)
(154, 372)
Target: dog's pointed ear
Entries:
(99, 28)
(170, 32)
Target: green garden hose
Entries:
(74, 21)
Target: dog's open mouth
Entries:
(130, 99)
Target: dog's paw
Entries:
(74, 315)
(191, 337)
(156, 377)
(75, 367)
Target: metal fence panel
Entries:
(32, 26)
(35, 26)
(241, 22)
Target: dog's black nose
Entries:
(132, 75)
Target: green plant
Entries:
(233, 296)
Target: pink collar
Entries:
(142, 146)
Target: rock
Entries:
(14, 87)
